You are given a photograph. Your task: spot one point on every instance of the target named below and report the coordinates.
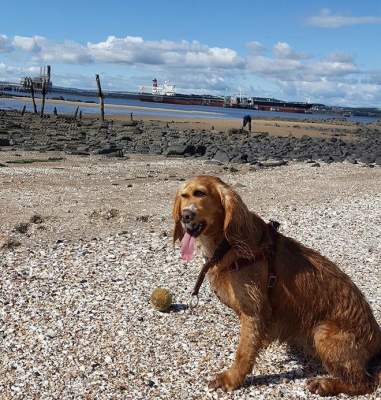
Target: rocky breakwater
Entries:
(118, 138)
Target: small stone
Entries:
(142, 218)
(112, 213)
(22, 227)
(50, 333)
(36, 219)
(8, 242)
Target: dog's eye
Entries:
(198, 193)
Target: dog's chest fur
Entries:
(220, 286)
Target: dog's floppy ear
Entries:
(178, 232)
(239, 227)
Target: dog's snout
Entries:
(187, 215)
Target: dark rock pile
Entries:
(119, 138)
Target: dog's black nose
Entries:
(187, 216)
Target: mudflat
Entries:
(275, 126)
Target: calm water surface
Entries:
(167, 110)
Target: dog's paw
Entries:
(225, 382)
(322, 386)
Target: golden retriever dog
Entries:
(280, 290)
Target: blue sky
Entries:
(320, 51)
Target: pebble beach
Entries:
(85, 239)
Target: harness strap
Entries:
(273, 233)
(225, 246)
(219, 253)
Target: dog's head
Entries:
(207, 206)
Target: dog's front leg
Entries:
(250, 342)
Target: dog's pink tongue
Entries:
(187, 247)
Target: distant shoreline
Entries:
(274, 126)
(107, 105)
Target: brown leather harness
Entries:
(266, 253)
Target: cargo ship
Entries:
(166, 93)
(268, 104)
(158, 93)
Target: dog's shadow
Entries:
(177, 307)
(309, 368)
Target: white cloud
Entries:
(283, 50)
(30, 44)
(66, 52)
(194, 67)
(335, 93)
(48, 51)
(326, 19)
(5, 44)
(135, 50)
(13, 73)
(130, 50)
(255, 47)
(269, 66)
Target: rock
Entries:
(117, 153)
(8, 242)
(221, 156)
(21, 227)
(51, 334)
(273, 163)
(86, 137)
(112, 213)
(200, 150)
(327, 159)
(234, 131)
(368, 158)
(213, 162)
(130, 123)
(4, 142)
(36, 219)
(107, 150)
(155, 149)
(142, 218)
(240, 158)
(176, 150)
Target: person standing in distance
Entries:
(246, 121)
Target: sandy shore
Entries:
(277, 127)
(94, 240)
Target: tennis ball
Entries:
(161, 299)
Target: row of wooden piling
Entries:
(45, 89)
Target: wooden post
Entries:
(76, 113)
(23, 110)
(80, 114)
(55, 112)
(31, 86)
(101, 99)
(45, 88)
